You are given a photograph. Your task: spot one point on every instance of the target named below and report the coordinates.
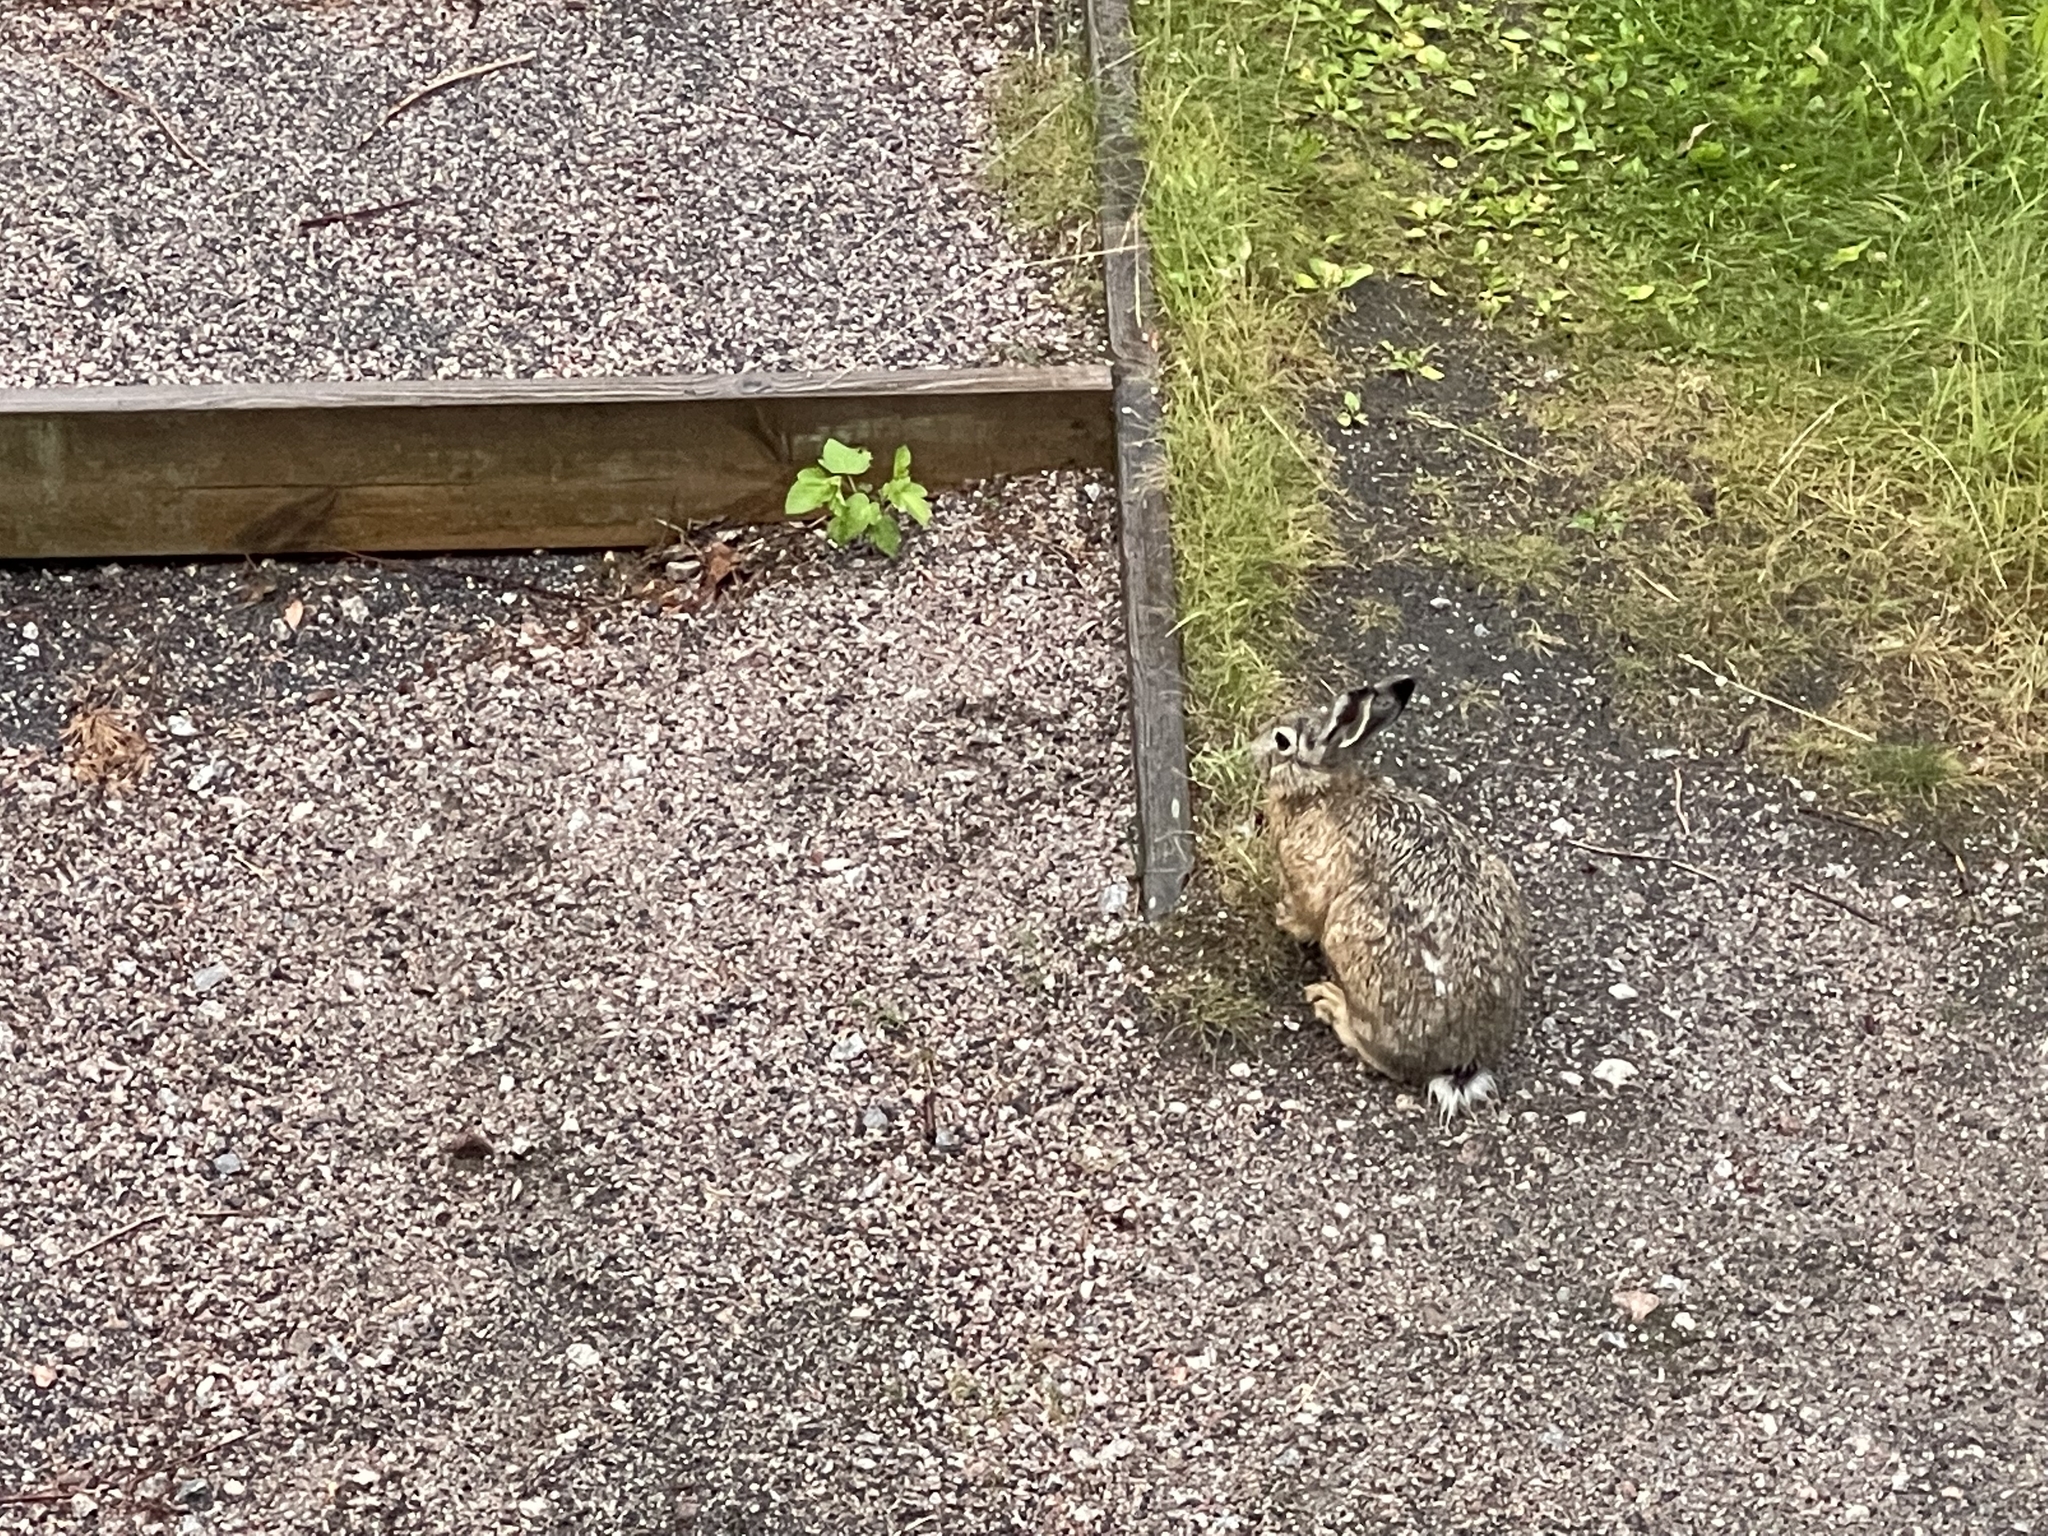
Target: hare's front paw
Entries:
(1327, 998)
(1334, 1009)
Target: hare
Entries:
(1424, 928)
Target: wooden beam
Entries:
(1166, 842)
(496, 464)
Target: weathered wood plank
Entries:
(1166, 851)
(367, 393)
(472, 464)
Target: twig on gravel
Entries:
(222, 1444)
(252, 866)
(1721, 880)
(1861, 823)
(1650, 858)
(1966, 882)
(134, 100)
(768, 117)
(1770, 698)
(136, 1226)
(435, 87)
(349, 215)
(1849, 907)
(1678, 800)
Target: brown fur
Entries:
(1424, 928)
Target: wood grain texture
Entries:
(1166, 842)
(491, 465)
(363, 394)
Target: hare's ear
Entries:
(1350, 719)
(1365, 710)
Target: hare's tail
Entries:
(1456, 1093)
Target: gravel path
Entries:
(663, 188)
(519, 1064)
(521, 1058)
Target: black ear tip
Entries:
(1400, 688)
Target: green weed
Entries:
(1044, 163)
(856, 508)
(1910, 770)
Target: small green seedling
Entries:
(1349, 412)
(1411, 362)
(1602, 522)
(1330, 276)
(855, 508)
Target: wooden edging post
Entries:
(101, 473)
(1166, 842)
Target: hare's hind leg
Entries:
(1334, 1009)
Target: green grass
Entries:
(1796, 250)
(1044, 164)
(1244, 287)
(1226, 177)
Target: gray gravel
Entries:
(522, 1058)
(530, 1064)
(665, 188)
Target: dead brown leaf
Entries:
(470, 1145)
(101, 746)
(293, 612)
(721, 568)
(718, 567)
(1638, 1304)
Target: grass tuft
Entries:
(1919, 771)
(1218, 973)
(1044, 162)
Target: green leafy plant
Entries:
(1410, 362)
(856, 508)
(1325, 276)
(1601, 521)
